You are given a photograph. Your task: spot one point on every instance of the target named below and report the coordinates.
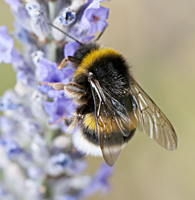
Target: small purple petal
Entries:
(6, 46)
(95, 4)
(93, 29)
(102, 25)
(94, 18)
(70, 48)
(48, 71)
(59, 108)
(99, 182)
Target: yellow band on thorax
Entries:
(91, 57)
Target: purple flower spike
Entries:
(94, 18)
(6, 46)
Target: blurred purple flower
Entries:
(94, 18)
(71, 47)
(68, 17)
(35, 172)
(11, 147)
(27, 79)
(13, 2)
(6, 46)
(58, 163)
(60, 107)
(99, 182)
(9, 101)
(48, 72)
(20, 13)
(6, 125)
(38, 20)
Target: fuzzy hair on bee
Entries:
(110, 104)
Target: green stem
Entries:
(48, 136)
(52, 46)
(52, 10)
(51, 55)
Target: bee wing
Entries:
(112, 128)
(111, 145)
(112, 121)
(151, 120)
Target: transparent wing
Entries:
(151, 120)
(112, 122)
(111, 145)
(111, 132)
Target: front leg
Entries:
(76, 62)
(72, 90)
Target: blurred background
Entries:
(158, 40)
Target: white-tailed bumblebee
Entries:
(111, 104)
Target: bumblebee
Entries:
(111, 104)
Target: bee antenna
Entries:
(65, 33)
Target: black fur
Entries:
(90, 135)
(112, 73)
(84, 49)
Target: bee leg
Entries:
(55, 86)
(75, 92)
(65, 119)
(73, 122)
(76, 61)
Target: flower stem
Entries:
(51, 54)
(49, 136)
(52, 10)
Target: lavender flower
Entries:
(38, 159)
(6, 47)
(94, 17)
(68, 17)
